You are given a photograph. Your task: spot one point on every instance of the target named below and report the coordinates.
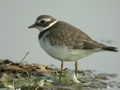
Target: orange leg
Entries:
(76, 67)
(62, 66)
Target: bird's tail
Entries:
(109, 48)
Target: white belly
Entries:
(63, 53)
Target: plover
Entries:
(65, 42)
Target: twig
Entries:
(24, 57)
(37, 87)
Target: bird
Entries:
(66, 42)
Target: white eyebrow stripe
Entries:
(45, 19)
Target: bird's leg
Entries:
(76, 68)
(62, 66)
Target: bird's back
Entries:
(63, 33)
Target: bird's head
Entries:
(43, 22)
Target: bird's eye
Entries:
(42, 21)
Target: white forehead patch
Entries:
(45, 19)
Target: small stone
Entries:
(102, 76)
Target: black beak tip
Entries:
(29, 27)
(32, 26)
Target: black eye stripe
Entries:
(42, 21)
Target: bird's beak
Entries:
(32, 26)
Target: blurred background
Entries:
(100, 19)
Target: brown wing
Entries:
(68, 35)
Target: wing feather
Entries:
(68, 35)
